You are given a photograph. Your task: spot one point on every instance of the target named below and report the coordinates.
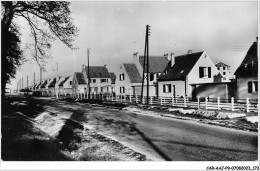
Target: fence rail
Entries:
(245, 105)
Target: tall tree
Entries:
(47, 21)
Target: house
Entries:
(38, 86)
(65, 86)
(130, 75)
(79, 83)
(247, 75)
(100, 79)
(225, 71)
(183, 73)
(128, 79)
(51, 86)
(113, 81)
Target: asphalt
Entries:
(159, 138)
(165, 138)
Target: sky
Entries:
(115, 30)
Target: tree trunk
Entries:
(5, 25)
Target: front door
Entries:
(173, 90)
(193, 93)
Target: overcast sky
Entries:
(115, 30)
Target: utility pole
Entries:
(88, 75)
(147, 58)
(34, 81)
(27, 85)
(40, 74)
(146, 64)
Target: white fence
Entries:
(245, 105)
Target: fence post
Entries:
(112, 97)
(218, 99)
(172, 101)
(130, 98)
(247, 104)
(151, 100)
(232, 103)
(136, 98)
(121, 97)
(198, 102)
(124, 97)
(206, 102)
(185, 105)
(161, 100)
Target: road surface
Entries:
(161, 138)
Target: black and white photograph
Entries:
(135, 85)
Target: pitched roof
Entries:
(249, 66)
(156, 63)
(44, 84)
(52, 84)
(80, 78)
(181, 68)
(113, 78)
(61, 84)
(221, 64)
(97, 72)
(133, 73)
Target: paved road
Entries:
(162, 138)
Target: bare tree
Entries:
(47, 20)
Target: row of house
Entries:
(193, 74)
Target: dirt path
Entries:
(30, 133)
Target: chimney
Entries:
(189, 51)
(167, 55)
(172, 59)
(83, 67)
(135, 55)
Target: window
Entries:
(151, 77)
(224, 68)
(224, 78)
(224, 73)
(122, 89)
(205, 72)
(252, 86)
(167, 88)
(104, 81)
(93, 80)
(122, 77)
(71, 82)
(218, 68)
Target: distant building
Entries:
(113, 81)
(225, 72)
(129, 80)
(247, 75)
(100, 79)
(79, 84)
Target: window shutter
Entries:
(256, 86)
(201, 72)
(170, 88)
(209, 72)
(120, 89)
(164, 88)
(249, 84)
